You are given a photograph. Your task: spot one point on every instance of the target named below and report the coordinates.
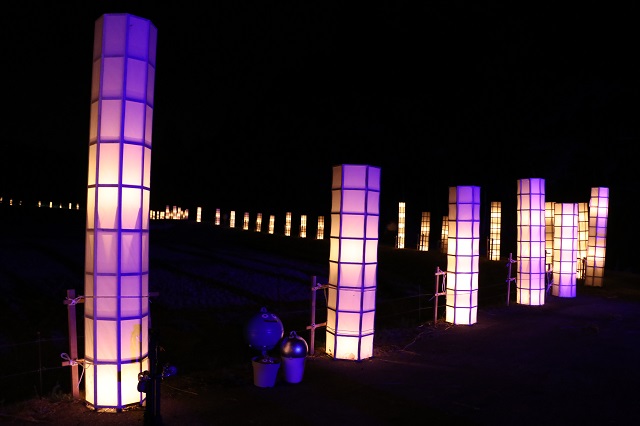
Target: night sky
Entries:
(256, 101)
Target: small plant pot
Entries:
(265, 372)
(293, 369)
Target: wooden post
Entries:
(312, 339)
(509, 279)
(73, 342)
(439, 292)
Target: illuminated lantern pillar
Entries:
(320, 232)
(401, 225)
(425, 230)
(596, 248)
(444, 236)
(353, 261)
(217, 219)
(245, 221)
(199, 215)
(303, 226)
(565, 249)
(232, 219)
(583, 238)
(463, 255)
(272, 224)
(287, 224)
(495, 219)
(259, 222)
(175, 213)
(116, 313)
(167, 213)
(549, 216)
(531, 242)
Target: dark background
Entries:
(256, 101)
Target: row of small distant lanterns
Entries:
(176, 213)
(51, 204)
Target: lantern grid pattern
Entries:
(565, 249)
(232, 219)
(531, 242)
(217, 219)
(353, 262)
(495, 219)
(463, 255)
(425, 230)
(597, 245)
(116, 311)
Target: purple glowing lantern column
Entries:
(565, 249)
(463, 255)
(531, 242)
(116, 313)
(353, 262)
(597, 245)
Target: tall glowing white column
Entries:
(303, 226)
(259, 222)
(401, 225)
(549, 215)
(353, 261)
(597, 246)
(320, 231)
(495, 219)
(232, 219)
(565, 249)
(444, 235)
(245, 221)
(199, 215)
(531, 242)
(463, 255)
(272, 223)
(287, 224)
(116, 312)
(583, 239)
(217, 218)
(425, 230)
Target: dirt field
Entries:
(571, 361)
